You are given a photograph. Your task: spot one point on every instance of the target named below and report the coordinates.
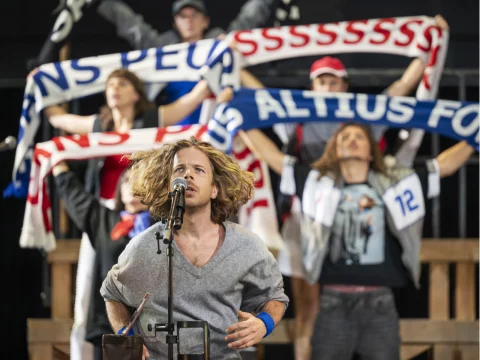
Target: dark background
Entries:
(24, 26)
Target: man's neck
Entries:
(123, 118)
(197, 223)
(354, 170)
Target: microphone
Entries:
(8, 144)
(175, 218)
(179, 185)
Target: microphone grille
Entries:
(179, 181)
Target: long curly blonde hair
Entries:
(328, 163)
(150, 173)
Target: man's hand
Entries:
(247, 332)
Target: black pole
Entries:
(169, 327)
(175, 221)
(176, 197)
(171, 339)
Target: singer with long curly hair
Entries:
(153, 174)
(224, 274)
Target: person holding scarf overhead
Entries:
(361, 234)
(109, 232)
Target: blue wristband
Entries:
(130, 332)
(268, 321)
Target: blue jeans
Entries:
(363, 323)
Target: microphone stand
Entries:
(177, 197)
(175, 221)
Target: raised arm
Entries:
(82, 207)
(172, 113)
(249, 80)
(254, 14)
(414, 72)
(452, 159)
(403, 87)
(409, 80)
(131, 26)
(74, 124)
(266, 149)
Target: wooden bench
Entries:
(446, 338)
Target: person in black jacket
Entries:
(109, 232)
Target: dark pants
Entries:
(363, 323)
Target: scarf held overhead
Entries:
(56, 83)
(417, 37)
(252, 109)
(258, 215)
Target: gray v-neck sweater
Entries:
(243, 275)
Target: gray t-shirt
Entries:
(243, 275)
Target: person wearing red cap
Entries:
(307, 143)
(328, 65)
(329, 74)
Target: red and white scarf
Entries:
(258, 214)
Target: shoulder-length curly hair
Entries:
(141, 105)
(150, 173)
(329, 164)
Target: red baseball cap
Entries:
(328, 65)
